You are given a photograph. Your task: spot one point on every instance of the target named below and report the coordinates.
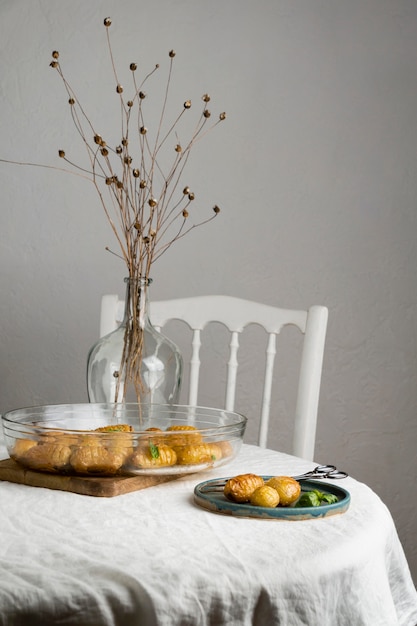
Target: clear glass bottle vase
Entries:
(135, 362)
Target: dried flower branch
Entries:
(138, 181)
(140, 194)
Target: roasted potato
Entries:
(288, 489)
(241, 487)
(153, 456)
(91, 457)
(265, 496)
(198, 453)
(183, 435)
(49, 457)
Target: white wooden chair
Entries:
(236, 314)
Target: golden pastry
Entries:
(288, 489)
(153, 456)
(198, 453)
(240, 488)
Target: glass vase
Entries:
(135, 362)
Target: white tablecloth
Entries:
(154, 558)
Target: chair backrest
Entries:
(236, 314)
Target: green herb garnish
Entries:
(316, 498)
(154, 450)
(308, 498)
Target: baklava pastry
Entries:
(198, 453)
(153, 456)
(240, 488)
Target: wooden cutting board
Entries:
(105, 487)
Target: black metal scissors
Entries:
(323, 471)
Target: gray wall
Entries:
(314, 168)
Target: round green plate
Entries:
(210, 496)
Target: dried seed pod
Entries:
(119, 150)
(133, 67)
(142, 95)
(191, 196)
(53, 64)
(206, 97)
(127, 160)
(152, 202)
(206, 113)
(216, 209)
(142, 184)
(119, 89)
(172, 53)
(241, 487)
(71, 101)
(186, 191)
(178, 148)
(185, 213)
(143, 130)
(222, 116)
(187, 104)
(61, 153)
(104, 152)
(136, 173)
(107, 22)
(130, 104)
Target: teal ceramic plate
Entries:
(209, 495)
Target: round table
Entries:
(155, 558)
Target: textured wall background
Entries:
(315, 170)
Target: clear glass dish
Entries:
(122, 439)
